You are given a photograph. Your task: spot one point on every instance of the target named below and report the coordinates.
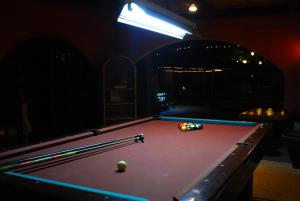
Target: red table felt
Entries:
(166, 165)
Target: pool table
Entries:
(213, 163)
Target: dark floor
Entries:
(279, 154)
(276, 179)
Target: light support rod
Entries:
(149, 16)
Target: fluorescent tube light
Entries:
(133, 14)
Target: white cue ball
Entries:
(121, 165)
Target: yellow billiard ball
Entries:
(121, 165)
(183, 128)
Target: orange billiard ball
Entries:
(122, 165)
(179, 125)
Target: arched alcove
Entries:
(206, 78)
(47, 91)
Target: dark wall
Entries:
(97, 34)
(90, 27)
(87, 26)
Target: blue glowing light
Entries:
(161, 96)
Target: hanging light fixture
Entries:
(193, 8)
(146, 15)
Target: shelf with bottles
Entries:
(119, 90)
(119, 96)
(120, 112)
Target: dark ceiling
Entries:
(205, 7)
(228, 7)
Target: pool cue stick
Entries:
(135, 137)
(68, 152)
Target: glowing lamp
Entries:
(244, 61)
(193, 8)
(149, 16)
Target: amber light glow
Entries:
(193, 8)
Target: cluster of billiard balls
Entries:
(189, 126)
